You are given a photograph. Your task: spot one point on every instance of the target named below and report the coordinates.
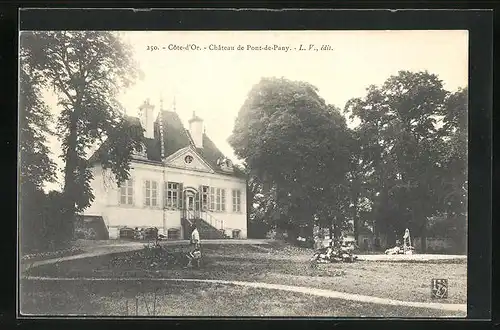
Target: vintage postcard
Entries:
(243, 173)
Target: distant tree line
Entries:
(403, 163)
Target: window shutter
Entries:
(181, 196)
(240, 198)
(197, 201)
(132, 188)
(233, 199)
(200, 197)
(223, 200)
(144, 191)
(165, 194)
(209, 198)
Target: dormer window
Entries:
(142, 153)
(225, 164)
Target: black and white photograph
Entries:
(243, 173)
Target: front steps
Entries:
(206, 230)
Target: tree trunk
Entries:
(356, 219)
(331, 232)
(391, 236)
(68, 212)
(249, 205)
(337, 230)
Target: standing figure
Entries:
(195, 237)
(407, 242)
(195, 253)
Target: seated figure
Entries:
(395, 250)
(194, 256)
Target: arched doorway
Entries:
(191, 200)
(190, 209)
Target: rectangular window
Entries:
(204, 197)
(151, 193)
(180, 196)
(223, 200)
(236, 200)
(220, 200)
(212, 198)
(127, 193)
(154, 193)
(172, 195)
(217, 199)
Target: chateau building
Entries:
(178, 178)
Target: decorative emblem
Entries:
(188, 159)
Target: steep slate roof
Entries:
(176, 137)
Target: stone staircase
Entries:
(209, 228)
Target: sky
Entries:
(215, 83)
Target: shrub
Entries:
(85, 233)
(80, 233)
(43, 224)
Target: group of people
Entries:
(340, 250)
(402, 248)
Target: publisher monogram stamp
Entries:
(439, 288)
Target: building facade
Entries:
(178, 178)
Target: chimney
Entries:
(196, 130)
(146, 118)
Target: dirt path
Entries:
(412, 257)
(462, 308)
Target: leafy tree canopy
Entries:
(403, 133)
(36, 167)
(294, 143)
(87, 69)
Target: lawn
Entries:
(192, 299)
(276, 264)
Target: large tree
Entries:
(295, 145)
(35, 165)
(86, 69)
(454, 152)
(398, 129)
(453, 165)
